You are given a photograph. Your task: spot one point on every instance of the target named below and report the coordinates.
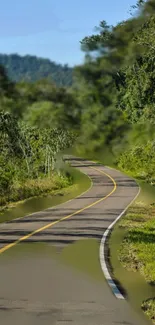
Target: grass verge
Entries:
(56, 195)
(148, 307)
(138, 247)
(137, 250)
(134, 237)
(35, 187)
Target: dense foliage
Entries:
(28, 153)
(34, 121)
(117, 91)
(110, 109)
(111, 103)
(31, 68)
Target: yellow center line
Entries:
(3, 249)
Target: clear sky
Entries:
(53, 28)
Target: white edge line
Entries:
(102, 258)
(103, 263)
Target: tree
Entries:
(6, 86)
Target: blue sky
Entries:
(53, 28)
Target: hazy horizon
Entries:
(53, 30)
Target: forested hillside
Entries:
(112, 101)
(31, 68)
(110, 109)
(117, 96)
(118, 91)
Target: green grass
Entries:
(34, 187)
(148, 307)
(80, 183)
(137, 251)
(132, 244)
(132, 255)
(133, 241)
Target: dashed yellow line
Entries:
(5, 248)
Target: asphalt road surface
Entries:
(36, 290)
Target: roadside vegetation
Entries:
(148, 307)
(118, 95)
(32, 141)
(138, 247)
(29, 162)
(136, 252)
(108, 112)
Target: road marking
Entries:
(102, 257)
(104, 267)
(58, 205)
(5, 248)
(103, 263)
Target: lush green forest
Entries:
(31, 68)
(117, 91)
(34, 130)
(110, 107)
(111, 104)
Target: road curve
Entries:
(41, 291)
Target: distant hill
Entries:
(31, 68)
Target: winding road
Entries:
(36, 290)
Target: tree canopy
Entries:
(111, 103)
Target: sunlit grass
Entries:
(80, 183)
(148, 307)
(138, 247)
(136, 250)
